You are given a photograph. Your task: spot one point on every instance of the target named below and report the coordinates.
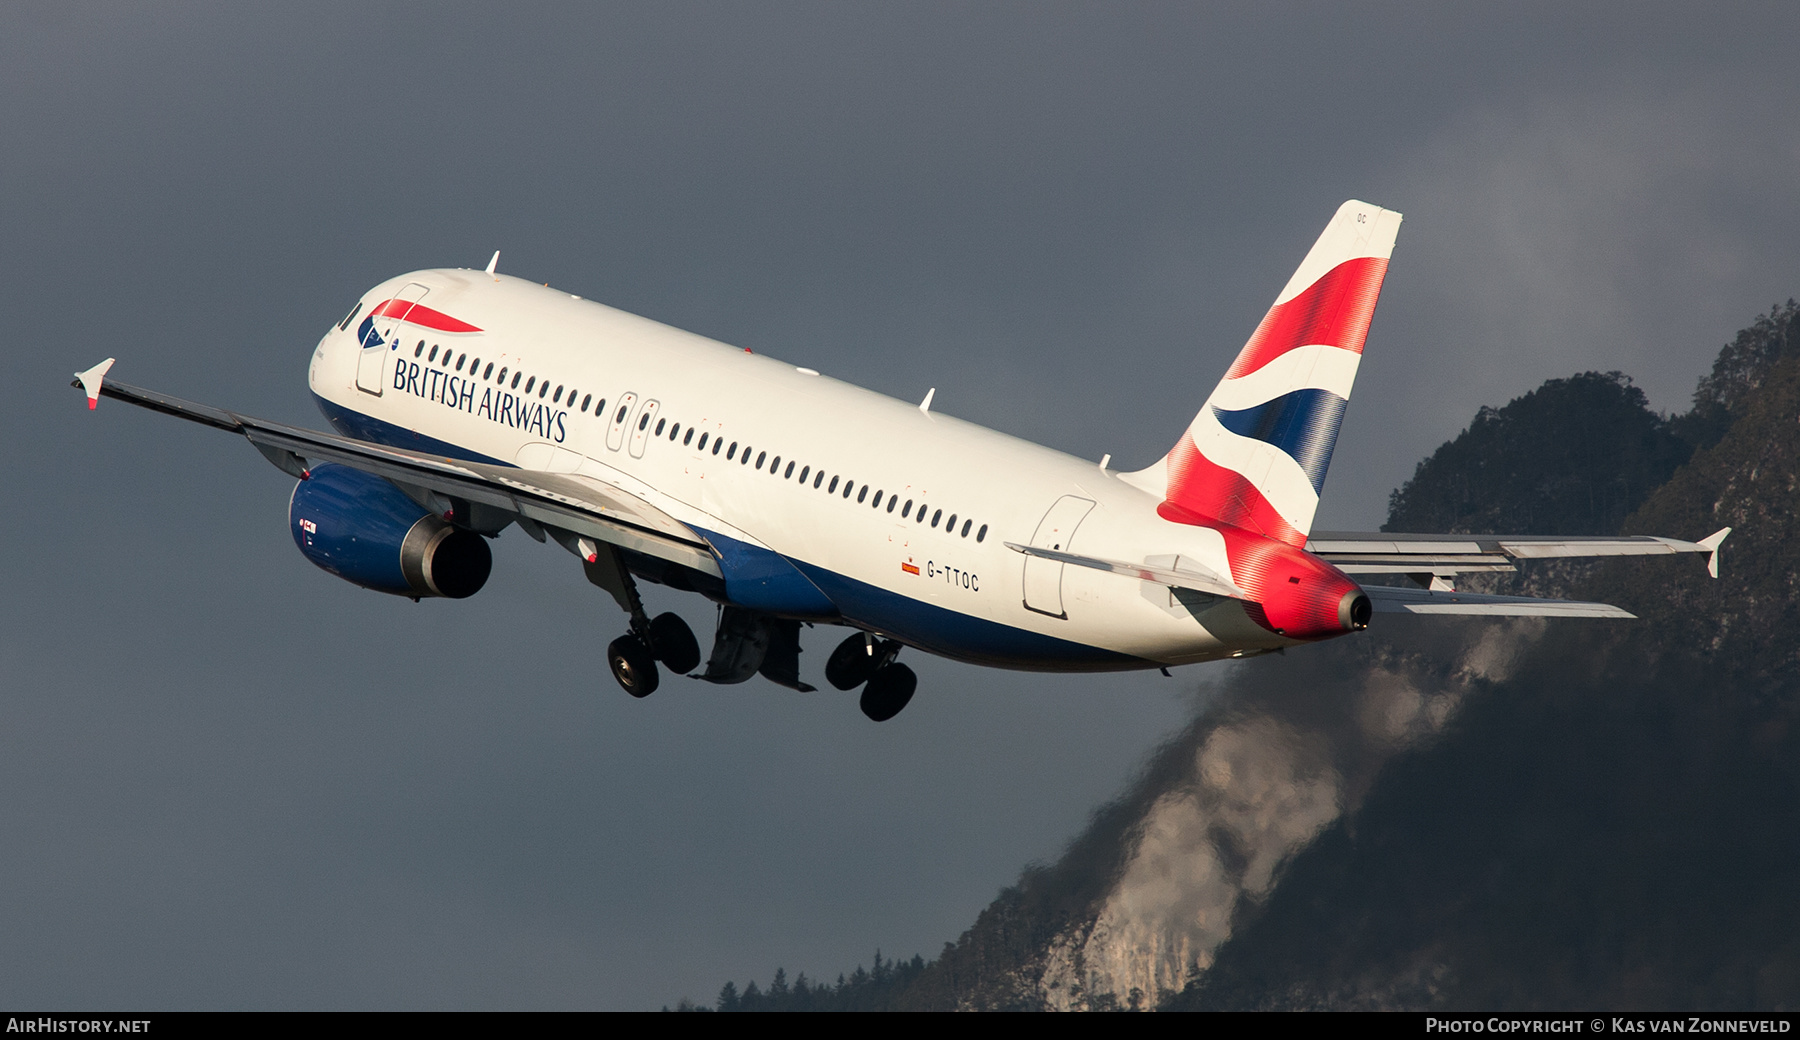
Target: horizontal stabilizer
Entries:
(1190, 577)
(1393, 600)
(1379, 552)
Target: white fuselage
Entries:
(957, 591)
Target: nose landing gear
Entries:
(863, 660)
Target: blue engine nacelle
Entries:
(368, 532)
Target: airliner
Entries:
(469, 401)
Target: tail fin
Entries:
(1255, 457)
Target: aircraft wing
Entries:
(581, 505)
(1392, 600)
(1427, 555)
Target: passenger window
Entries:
(557, 399)
(621, 416)
(732, 452)
(789, 475)
(951, 526)
(529, 383)
(848, 484)
(702, 440)
(818, 478)
(906, 510)
(542, 390)
(516, 377)
(718, 442)
(660, 423)
(877, 503)
(502, 379)
(935, 517)
(419, 351)
(863, 495)
(459, 362)
(805, 471)
(433, 356)
(589, 399)
(893, 500)
(674, 433)
(833, 487)
(446, 361)
(965, 530)
(760, 456)
(981, 535)
(645, 421)
(600, 409)
(746, 458)
(490, 371)
(689, 439)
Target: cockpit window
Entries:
(348, 318)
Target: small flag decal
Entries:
(910, 568)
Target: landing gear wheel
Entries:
(888, 691)
(851, 664)
(675, 644)
(633, 666)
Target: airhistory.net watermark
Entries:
(71, 1024)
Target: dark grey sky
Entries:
(229, 780)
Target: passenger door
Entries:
(1043, 578)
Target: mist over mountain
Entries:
(1464, 814)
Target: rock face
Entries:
(1448, 814)
(1295, 747)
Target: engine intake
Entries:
(369, 533)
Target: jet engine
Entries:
(369, 533)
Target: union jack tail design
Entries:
(1255, 457)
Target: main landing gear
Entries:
(747, 643)
(863, 660)
(666, 638)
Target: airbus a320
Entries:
(469, 401)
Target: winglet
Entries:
(1711, 544)
(494, 263)
(925, 405)
(90, 381)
